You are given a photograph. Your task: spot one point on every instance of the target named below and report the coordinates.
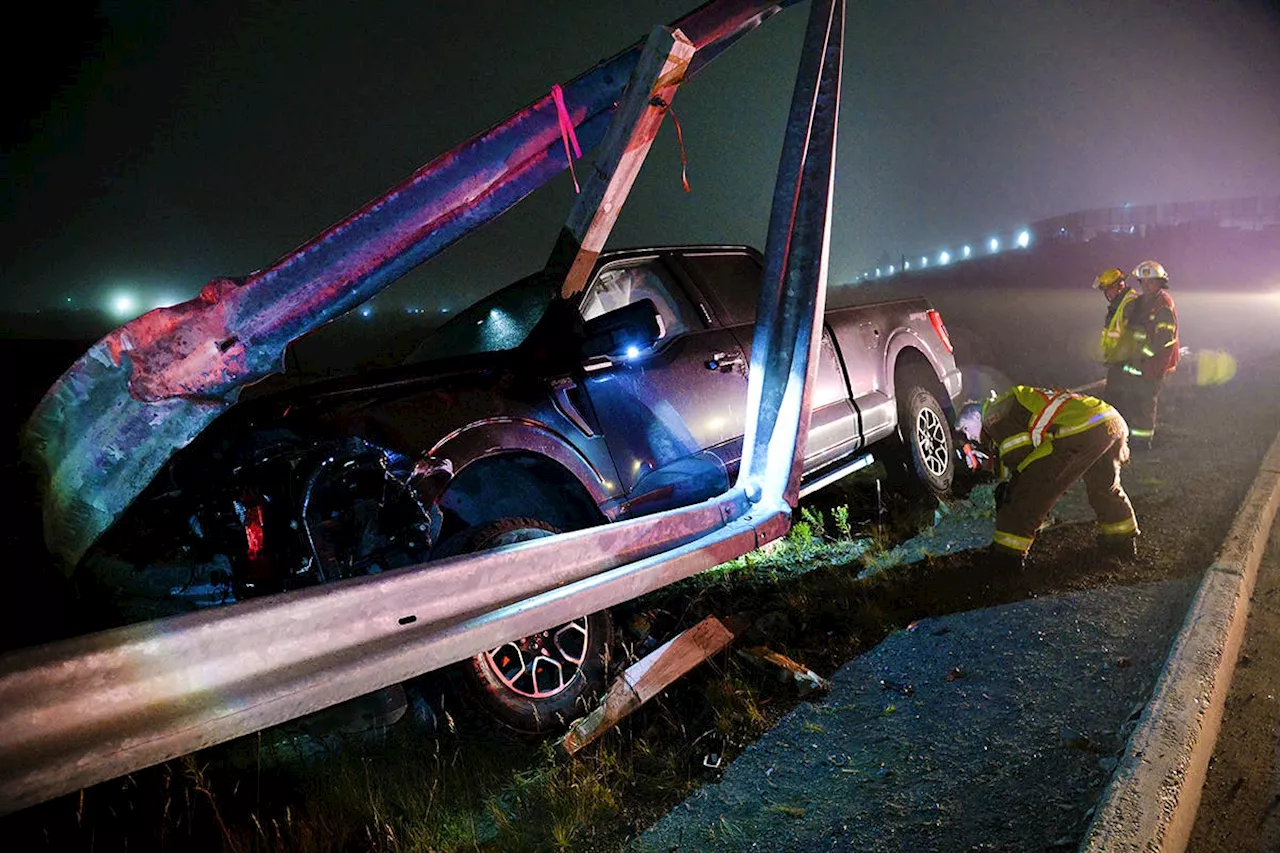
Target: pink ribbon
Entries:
(567, 134)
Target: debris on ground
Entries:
(805, 679)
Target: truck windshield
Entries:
(500, 321)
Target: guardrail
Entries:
(85, 710)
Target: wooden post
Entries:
(652, 674)
(653, 84)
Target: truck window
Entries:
(619, 286)
(733, 280)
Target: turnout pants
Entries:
(1094, 455)
(1136, 397)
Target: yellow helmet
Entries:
(1150, 269)
(1109, 278)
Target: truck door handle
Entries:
(724, 361)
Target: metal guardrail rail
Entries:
(88, 709)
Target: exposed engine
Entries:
(278, 515)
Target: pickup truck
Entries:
(522, 416)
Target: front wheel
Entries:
(542, 682)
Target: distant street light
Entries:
(944, 258)
(1024, 239)
(994, 244)
(965, 251)
(123, 305)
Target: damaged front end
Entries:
(233, 519)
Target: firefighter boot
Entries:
(1005, 560)
(1119, 549)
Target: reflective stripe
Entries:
(1129, 368)
(1042, 421)
(1119, 528)
(1147, 351)
(1014, 441)
(1139, 334)
(1170, 326)
(1142, 433)
(1039, 453)
(1064, 431)
(1013, 542)
(1171, 343)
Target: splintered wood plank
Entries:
(652, 674)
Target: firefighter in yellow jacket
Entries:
(1042, 442)
(1116, 342)
(1145, 352)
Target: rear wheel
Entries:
(542, 682)
(926, 462)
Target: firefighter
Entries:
(1041, 442)
(1113, 285)
(1149, 352)
(1116, 343)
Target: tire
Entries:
(926, 462)
(541, 683)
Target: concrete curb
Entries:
(1150, 804)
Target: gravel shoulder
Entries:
(921, 737)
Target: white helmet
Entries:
(1150, 269)
(969, 421)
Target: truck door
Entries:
(860, 334)
(732, 280)
(833, 426)
(671, 415)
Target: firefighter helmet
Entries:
(1150, 269)
(1109, 278)
(969, 421)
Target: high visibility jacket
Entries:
(1117, 344)
(1023, 422)
(1153, 325)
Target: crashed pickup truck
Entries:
(522, 416)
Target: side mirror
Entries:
(623, 331)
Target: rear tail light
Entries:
(938, 326)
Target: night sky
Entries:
(154, 146)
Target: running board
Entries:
(838, 474)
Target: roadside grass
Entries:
(820, 595)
